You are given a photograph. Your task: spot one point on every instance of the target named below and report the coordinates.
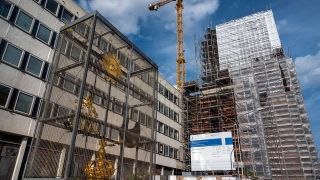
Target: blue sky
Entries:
(298, 23)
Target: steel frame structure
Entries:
(66, 136)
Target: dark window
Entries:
(96, 99)
(5, 9)
(34, 65)
(24, 103)
(114, 134)
(166, 130)
(176, 135)
(81, 29)
(75, 53)
(44, 33)
(103, 45)
(64, 45)
(66, 16)
(161, 127)
(160, 148)
(176, 117)
(175, 154)
(52, 6)
(12, 55)
(134, 115)
(63, 111)
(117, 107)
(24, 21)
(166, 111)
(171, 152)
(142, 118)
(166, 150)
(171, 133)
(68, 83)
(4, 95)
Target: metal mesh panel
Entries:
(86, 130)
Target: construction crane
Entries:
(180, 63)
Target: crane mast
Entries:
(180, 62)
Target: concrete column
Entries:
(162, 171)
(61, 162)
(172, 172)
(19, 159)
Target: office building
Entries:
(29, 32)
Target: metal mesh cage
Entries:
(98, 114)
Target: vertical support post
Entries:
(17, 166)
(80, 98)
(61, 162)
(125, 119)
(154, 117)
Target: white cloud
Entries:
(127, 14)
(282, 24)
(308, 70)
(124, 14)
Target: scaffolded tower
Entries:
(270, 118)
(96, 121)
(210, 106)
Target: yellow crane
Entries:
(181, 62)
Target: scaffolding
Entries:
(96, 122)
(247, 81)
(210, 103)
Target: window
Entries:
(166, 130)
(24, 103)
(161, 127)
(166, 111)
(68, 83)
(81, 29)
(24, 21)
(149, 122)
(171, 132)
(166, 150)
(161, 89)
(4, 95)
(64, 45)
(34, 65)
(117, 107)
(142, 119)
(52, 6)
(176, 135)
(96, 99)
(5, 9)
(66, 16)
(103, 45)
(176, 117)
(134, 115)
(160, 148)
(161, 107)
(75, 53)
(62, 111)
(12, 55)
(171, 152)
(156, 147)
(175, 154)
(114, 134)
(43, 33)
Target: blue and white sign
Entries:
(210, 152)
